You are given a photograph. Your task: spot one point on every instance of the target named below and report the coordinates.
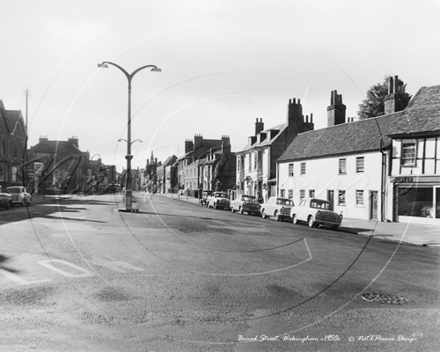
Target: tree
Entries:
(373, 105)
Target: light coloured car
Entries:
(218, 200)
(5, 199)
(316, 212)
(277, 207)
(19, 195)
(246, 204)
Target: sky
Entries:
(224, 64)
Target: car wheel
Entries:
(232, 210)
(295, 219)
(278, 216)
(311, 222)
(335, 227)
(241, 211)
(263, 214)
(9, 205)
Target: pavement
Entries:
(405, 233)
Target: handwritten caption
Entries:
(332, 338)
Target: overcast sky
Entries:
(224, 63)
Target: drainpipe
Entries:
(382, 182)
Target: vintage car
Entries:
(5, 199)
(19, 195)
(246, 204)
(278, 207)
(218, 200)
(204, 199)
(316, 212)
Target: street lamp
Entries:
(128, 190)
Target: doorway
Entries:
(373, 205)
(331, 198)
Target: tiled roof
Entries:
(422, 114)
(55, 147)
(267, 141)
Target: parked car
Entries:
(204, 199)
(5, 199)
(278, 207)
(316, 212)
(218, 200)
(19, 195)
(246, 204)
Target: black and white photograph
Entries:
(219, 175)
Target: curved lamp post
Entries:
(128, 190)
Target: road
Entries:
(82, 276)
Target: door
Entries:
(331, 198)
(373, 205)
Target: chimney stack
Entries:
(259, 126)
(393, 101)
(336, 110)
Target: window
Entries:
(302, 194)
(342, 166)
(3, 148)
(250, 162)
(290, 193)
(311, 193)
(341, 198)
(408, 154)
(303, 168)
(255, 160)
(359, 198)
(283, 193)
(360, 164)
(14, 174)
(290, 170)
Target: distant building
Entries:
(64, 165)
(191, 164)
(12, 146)
(384, 168)
(256, 163)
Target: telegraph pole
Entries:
(26, 93)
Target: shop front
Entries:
(417, 199)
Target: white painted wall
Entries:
(322, 175)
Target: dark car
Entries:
(246, 204)
(5, 199)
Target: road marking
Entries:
(50, 265)
(114, 265)
(19, 280)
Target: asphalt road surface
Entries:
(79, 275)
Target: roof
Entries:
(266, 141)
(49, 147)
(421, 115)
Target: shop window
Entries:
(360, 198)
(341, 198)
(311, 193)
(302, 194)
(283, 193)
(303, 169)
(417, 202)
(290, 193)
(290, 170)
(342, 166)
(408, 154)
(360, 164)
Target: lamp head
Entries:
(156, 69)
(103, 65)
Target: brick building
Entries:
(256, 163)
(12, 146)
